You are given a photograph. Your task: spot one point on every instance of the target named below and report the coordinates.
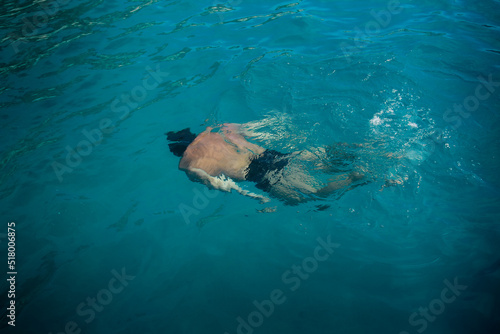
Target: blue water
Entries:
(115, 239)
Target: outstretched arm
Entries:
(223, 183)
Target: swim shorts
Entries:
(260, 166)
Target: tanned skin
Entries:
(227, 153)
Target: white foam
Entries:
(225, 183)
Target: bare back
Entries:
(228, 153)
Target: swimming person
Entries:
(220, 157)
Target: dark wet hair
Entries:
(181, 140)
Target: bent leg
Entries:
(339, 182)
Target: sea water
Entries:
(110, 237)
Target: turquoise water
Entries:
(115, 239)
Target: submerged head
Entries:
(180, 140)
